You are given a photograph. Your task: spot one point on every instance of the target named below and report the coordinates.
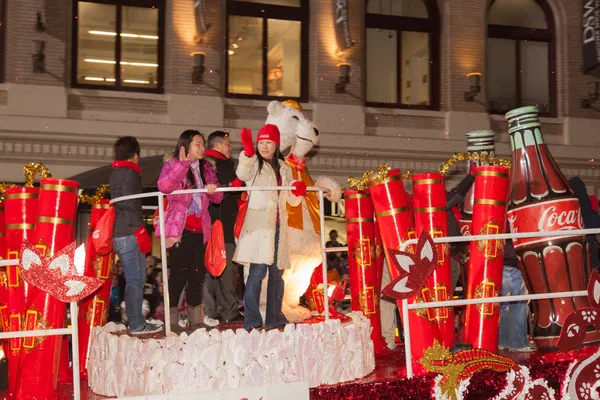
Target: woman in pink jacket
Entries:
(187, 223)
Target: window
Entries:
(267, 46)
(402, 54)
(520, 56)
(119, 45)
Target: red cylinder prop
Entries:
(396, 226)
(55, 227)
(20, 206)
(429, 197)
(365, 267)
(4, 315)
(486, 256)
(542, 200)
(93, 310)
(2, 232)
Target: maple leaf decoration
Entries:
(61, 276)
(576, 324)
(414, 269)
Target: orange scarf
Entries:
(300, 172)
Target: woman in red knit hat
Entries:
(262, 242)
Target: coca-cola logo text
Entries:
(566, 220)
(552, 216)
(465, 230)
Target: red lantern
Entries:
(396, 226)
(486, 260)
(55, 227)
(429, 197)
(93, 310)
(20, 206)
(364, 261)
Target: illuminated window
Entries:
(119, 46)
(520, 56)
(267, 42)
(402, 54)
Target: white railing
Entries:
(163, 246)
(73, 331)
(499, 299)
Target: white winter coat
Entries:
(256, 243)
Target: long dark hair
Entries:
(185, 140)
(273, 163)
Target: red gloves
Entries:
(236, 183)
(472, 168)
(246, 138)
(143, 239)
(300, 188)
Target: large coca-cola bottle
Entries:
(541, 200)
(481, 142)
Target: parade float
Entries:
(344, 357)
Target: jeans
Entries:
(220, 294)
(513, 316)
(134, 269)
(252, 317)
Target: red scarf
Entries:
(126, 164)
(296, 162)
(215, 154)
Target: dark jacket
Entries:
(591, 218)
(453, 199)
(510, 255)
(126, 180)
(227, 210)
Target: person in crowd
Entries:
(187, 223)
(333, 239)
(514, 316)
(220, 293)
(262, 243)
(126, 180)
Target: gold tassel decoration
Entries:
(32, 169)
(483, 157)
(3, 187)
(99, 195)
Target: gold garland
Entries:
(99, 195)
(373, 178)
(31, 169)
(3, 187)
(483, 157)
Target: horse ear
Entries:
(275, 108)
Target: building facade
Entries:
(77, 74)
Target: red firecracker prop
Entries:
(93, 311)
(20, 207)
(396, 226)
(2, 232)
(429, 197)
(541, 200)
(315, 299)
(486, 260)
(363, 261)
(55, 226)
(4, 316)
